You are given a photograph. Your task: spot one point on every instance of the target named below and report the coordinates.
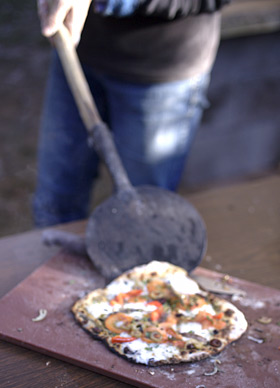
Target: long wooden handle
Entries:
(76, 78)
(99, 135)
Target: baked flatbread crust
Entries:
(155, 314)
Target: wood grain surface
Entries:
(249, 17)
(243, 223)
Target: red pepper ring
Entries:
(156, 314)
(124, 297)
(134, 292)
(119, 340)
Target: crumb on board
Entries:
(215, 370)
(42, 315)
(257, 340)
(264, 320)
(227, 279)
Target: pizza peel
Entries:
(136, 224)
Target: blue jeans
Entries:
(153, 127)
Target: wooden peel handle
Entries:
(99, 135)
(76, 78)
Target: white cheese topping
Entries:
(140, 306)
(186, 313)
(208, 308)
(137, 314)
(97, 309)
(119, 286)
(240, 323)
(181, 284)
(195, 328)
(192, 313)
(100, 308)
(144, 352)
(155, 266)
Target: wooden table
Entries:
(249, 17)
(243, 223)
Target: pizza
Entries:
(155, 314)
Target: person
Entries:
(148, 65)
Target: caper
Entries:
(229, 313)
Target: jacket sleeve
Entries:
(167, 9)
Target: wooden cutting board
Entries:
(56, 285)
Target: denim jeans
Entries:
(153, 127)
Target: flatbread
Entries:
(155, 314)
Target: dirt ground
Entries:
(24, 58)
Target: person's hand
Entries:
(54, 13)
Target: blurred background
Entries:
(240, 135)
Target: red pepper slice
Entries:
(124, 297)
(156, 314)
(119, 340)
(218, 316)
(135, 292)
(156, 303)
